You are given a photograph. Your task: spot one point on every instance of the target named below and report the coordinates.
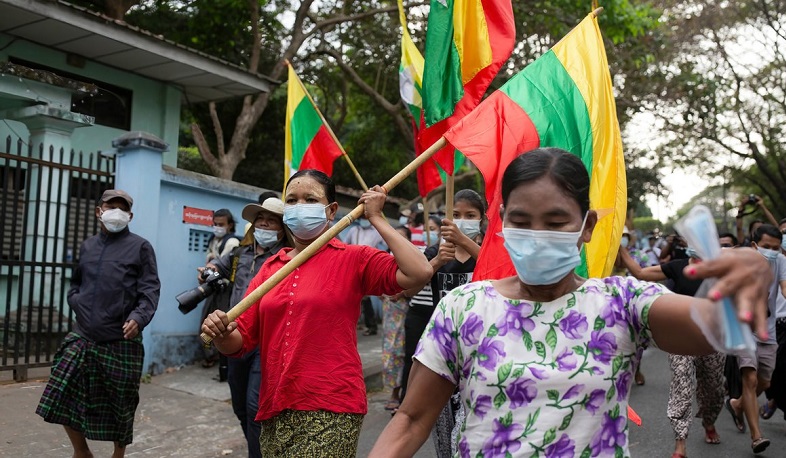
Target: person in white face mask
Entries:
(544, 359)
(221, 243)
(305, 327)
(756, 371)
(94, 388)
(262, 240)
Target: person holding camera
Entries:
(313, 398)
(239, 266)
(753, 202)
(219, 244)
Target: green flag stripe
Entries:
(305, 124)
(558, 111)
(442, 84)
(555, 106)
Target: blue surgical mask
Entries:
(433, 238)
(306, 221)
(542, 257)
(265, 237)
(219, 231)
(403, 220)
(783, 243)
(469, 227)
(771, 255)
(691, 253)
(624, 242)
(364, 223)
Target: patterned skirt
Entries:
(299, 433)
(94, 388)
(393, 315)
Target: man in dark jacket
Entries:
(93, 390)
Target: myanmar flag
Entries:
(563, 99)
(309, 141)
(467, 42)
(410, 77)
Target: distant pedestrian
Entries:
(93, 390)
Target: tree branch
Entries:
(339, 19)
(392, 109)
(204, 148)
(256, 37)
(217, 129)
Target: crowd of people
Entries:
(537, 363)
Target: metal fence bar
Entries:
(35, 271)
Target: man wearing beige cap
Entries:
(93, 390)
(263, 239)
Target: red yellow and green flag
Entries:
(563, 99)
(467, 42)
(309, 142)
(410, 77)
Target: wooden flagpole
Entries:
(332, 135)
(323, 239)
(449, 186)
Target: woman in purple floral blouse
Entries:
(544, 360)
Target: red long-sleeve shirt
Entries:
(306, 328)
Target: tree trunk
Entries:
(117, 9)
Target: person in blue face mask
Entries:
(305, 326)
(776, 393)
(756, 371)
(544, 359)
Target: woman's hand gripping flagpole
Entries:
(312, 248)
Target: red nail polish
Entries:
(715, 295)
(692, 271)
(765, 336)
(747, 316)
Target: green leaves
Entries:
(493, 331)
(540, 349)
(553, 395)
(551, 338)
(527, 340)
(500, 399)
(504, 371)
(600, 323)
(566, 421)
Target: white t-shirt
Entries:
(779, 274)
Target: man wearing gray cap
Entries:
(262, 240)
(93, 390)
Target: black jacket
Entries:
(116, 280)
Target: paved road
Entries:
(186, 413)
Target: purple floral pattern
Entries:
(547, 379)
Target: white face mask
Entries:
(265, 238)
(219, 231)
(470, 227)
(543, 257)
(115, 219)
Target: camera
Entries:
(213, 281)
(752, 199)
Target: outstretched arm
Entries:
(652, 273)
(410, 427)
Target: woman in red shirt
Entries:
(312, 398)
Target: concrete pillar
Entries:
(138, 172)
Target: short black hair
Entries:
(750, 226)
(265, 196)
(406, 231)
(472, 198)
(729, 235)
(566, 169)
(766, 229)
(319, 177)
(228, 214)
